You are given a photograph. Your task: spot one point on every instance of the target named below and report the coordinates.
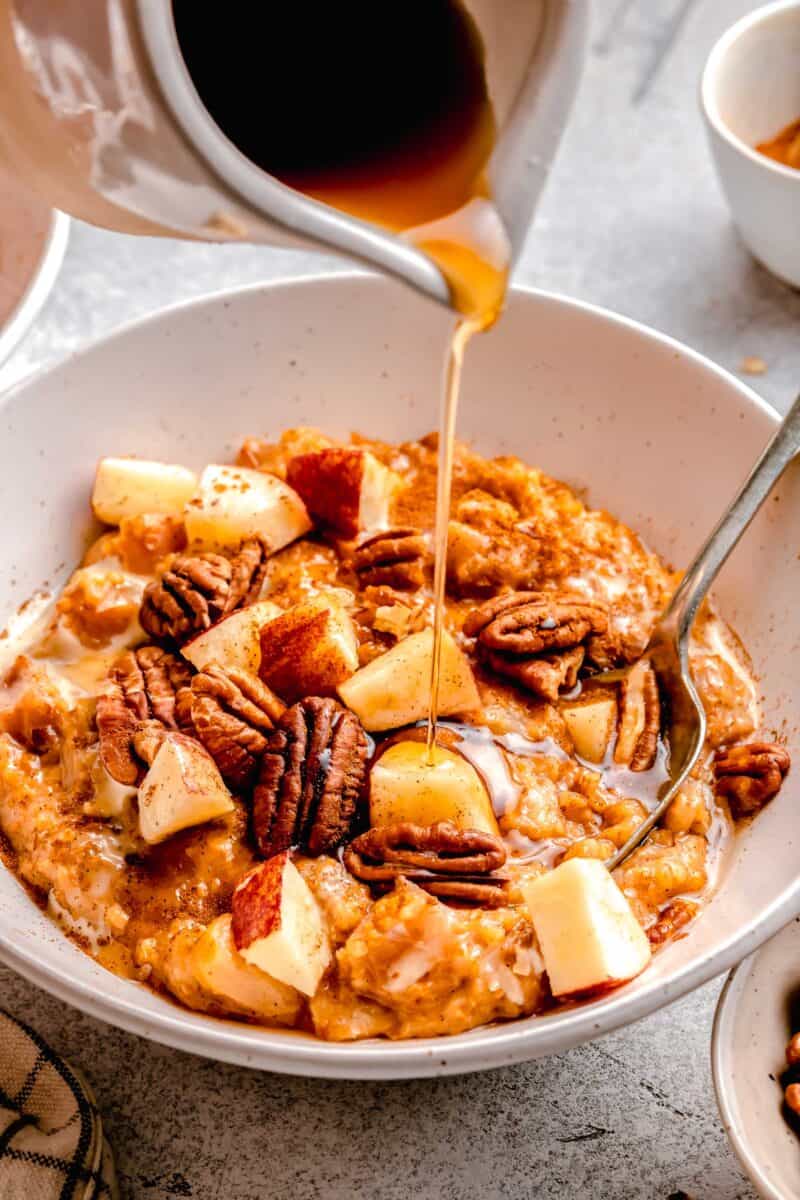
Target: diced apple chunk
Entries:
(309, 649)
(344, 487)
(234, 503)
(235, 641)
(393, 690)
(591, 722)
(182, 788)
(404, 786)
(277, 925)
(133, 487)
(589, 938)
(222, 973)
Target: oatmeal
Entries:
(213, 767)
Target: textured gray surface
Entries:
(633, 220)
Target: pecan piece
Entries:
(639, 718)
(453, 863)
(248, 570)
(673, 918)
(547, 674)
(312, 776)
(750, 774)
(138, 697)
(523, 636)
(198, 589)
(394, 558)
(231, 712)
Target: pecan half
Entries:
(394, 558)
(231, 712)
(312, 775)
(198, 589)
(749, 775)
(138, 697)
(456, 864)
(639, 718)
(523, 635)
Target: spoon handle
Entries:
(779, 452)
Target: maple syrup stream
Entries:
(357, 129)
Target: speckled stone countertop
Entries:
(632, 219)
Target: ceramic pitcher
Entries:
(99, 115)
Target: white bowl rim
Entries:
(721, 1036)
(708, 99)
(489, 1046)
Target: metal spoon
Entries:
(668, 649)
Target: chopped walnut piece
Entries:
(539, 639)
(749, 775)
(198, 589)
(639, 718)
(452, 863)
(231, 712)
(138, 698)
(394, 558)
(312, 776)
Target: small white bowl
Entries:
(750, 91)
(751, 1029)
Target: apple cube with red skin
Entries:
(344, 487)
(589, 937)
(234, 641)
(309, 650)
(278, 927)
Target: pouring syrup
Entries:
(389, 121)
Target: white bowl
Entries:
(751, 1029)
(750, 91)
(657, 433)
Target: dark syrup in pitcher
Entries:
(383, 112)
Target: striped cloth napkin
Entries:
(51, 1136)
